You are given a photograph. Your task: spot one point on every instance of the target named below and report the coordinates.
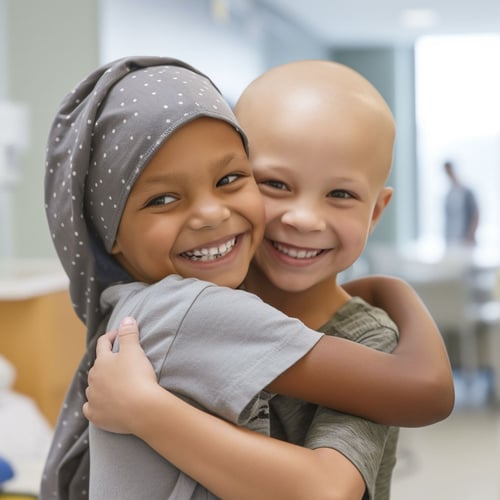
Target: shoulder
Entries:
(363, 323)
(172, 293)
(359, 314)
(173, 287)
(204, 303)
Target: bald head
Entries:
(306, 103)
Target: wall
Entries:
(3, 49)
(226, 46)
(50, 46)
(391, 71)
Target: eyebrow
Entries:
(158, 178)
(220, 162)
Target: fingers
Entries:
(128, 333)
(85, 410)
(105, 342)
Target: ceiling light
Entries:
(220, 11)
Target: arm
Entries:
(230, 461)
(233, 462)
(419, 334)
(408, 311)
(413, 386)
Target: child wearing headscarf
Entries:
(102, 139)
(106, 135)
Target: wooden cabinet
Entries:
(44, 339)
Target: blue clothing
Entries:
(461, 211)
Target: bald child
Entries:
(321, 144)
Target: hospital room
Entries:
(436, 66)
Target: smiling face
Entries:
(195, 210)
(320, 204)
(321, 150)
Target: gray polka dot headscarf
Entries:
(104, 134)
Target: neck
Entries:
(314, 306)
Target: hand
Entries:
(118, 382)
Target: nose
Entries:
(208, 213)
(304, 218)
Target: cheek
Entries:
(354, 227)
(259, 258)
(271, 209)
(252, 204)
(157, 235)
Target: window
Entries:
(458, 118)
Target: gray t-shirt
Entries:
(370, 447)
(216, 348)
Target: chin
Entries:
(291, 285)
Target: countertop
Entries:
(22, 279)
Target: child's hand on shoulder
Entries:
(118, 382)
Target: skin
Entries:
(324, 190)
(182, 213)
(317, 222)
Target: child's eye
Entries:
(228, 179)
(340, 193)
(164, 199)
(274, 184)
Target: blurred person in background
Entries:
(461, 211)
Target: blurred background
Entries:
(438, 66)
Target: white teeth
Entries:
(297, 254)
(211, 253)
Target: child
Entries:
(131, 201)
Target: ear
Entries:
(383, 200)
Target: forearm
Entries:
(398, 299)
(422, 344)
(236, 463)
(420, 339)
(413, 386)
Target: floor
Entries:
(457, 459)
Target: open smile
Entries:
(296, 252)
(210, 253)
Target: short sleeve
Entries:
(361, 441)
(229, 347)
